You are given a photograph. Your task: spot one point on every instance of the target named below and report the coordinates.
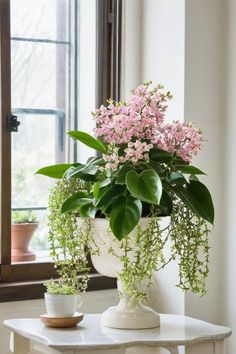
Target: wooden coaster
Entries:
(62, 322)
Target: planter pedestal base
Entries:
(130, 314)
(137, 317)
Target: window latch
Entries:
(13, 123)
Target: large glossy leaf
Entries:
(95, 161)
(125, 216)
(197, 197)
(88, 140)
(176, 177)
(110, 194)
(189, 169)
(105, 182)
(160, 155)
(99, 185)
(82, 170)
(88, 211)
(122, 173)
(166, 205)
(54, 171)
(75, 202)
(157, 167)
(146, 186)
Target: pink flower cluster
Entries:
(135, 152)
(139, 123)
(137, 119)
(178, 138)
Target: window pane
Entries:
(35, 145)
(46, 19)
(53, 51)
(41, 73)
(35, 74)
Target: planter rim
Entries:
(60, 295)
(20, 226)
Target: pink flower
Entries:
(139, 123)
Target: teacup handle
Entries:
(78, 302)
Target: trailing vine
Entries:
(190, 247)
(143, 254)
(68, 240)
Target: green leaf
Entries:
(54, 171)
(125, 216)
(72, 171)
(142, 166)
(197, 197)
(192, 170)
(146, 186)
(122, 173)
(157, 167)
(105, 182)
(95, 161)
(97, 186)
(81, 171)
(88, 211)
(166, 203)
(178, 161)
(160, 155)
(112, 193)
(75, 202)
(193, 178)
(88, 140)
(176, 177)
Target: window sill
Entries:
(29, 290)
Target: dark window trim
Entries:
(25, 280)
(5, 133)
(109, 25)
(30, 290)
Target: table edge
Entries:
(148, 343)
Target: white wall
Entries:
(227, 258)
(204, 105)
(131, 63)
(163, 49)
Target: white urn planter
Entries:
(129, 314)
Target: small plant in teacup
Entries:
(61, 300)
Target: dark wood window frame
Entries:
(24, 281)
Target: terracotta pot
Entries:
(21, 234)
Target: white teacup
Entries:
(62, 305)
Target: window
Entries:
(59, 60)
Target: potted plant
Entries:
(61, 299)
(24, 224)
(146, 192)
(68, 249)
